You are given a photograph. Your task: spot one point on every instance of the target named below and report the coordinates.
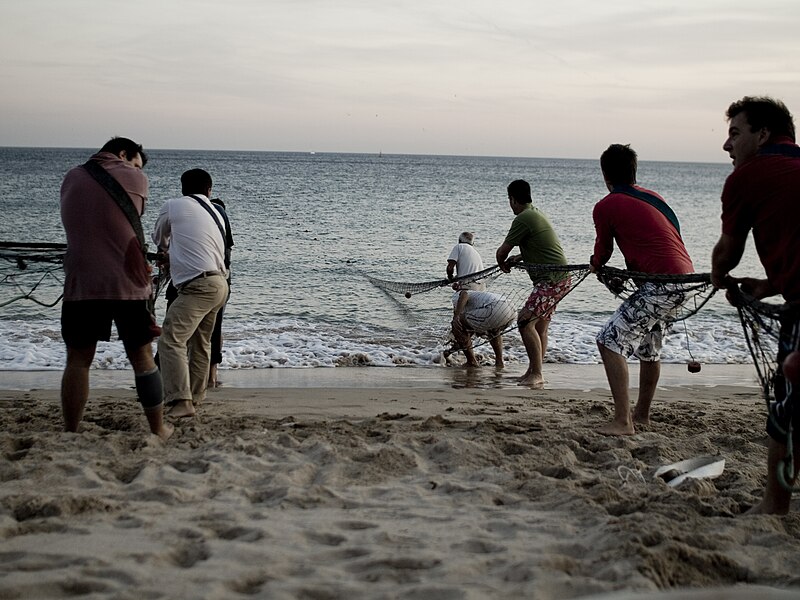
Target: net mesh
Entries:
(35, 272)
(435, 298)
(409, 289)
(688, 293)
(761, 322)
(31, 271)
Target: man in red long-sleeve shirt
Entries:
(762, 196)
(647, 233)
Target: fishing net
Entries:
(761, 323)
(409, 289)
(31, 271)
(494, 314)
(35, 272)
(687, 293)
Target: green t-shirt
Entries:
(537, 241)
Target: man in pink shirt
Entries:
(648, 234)
(107, 277)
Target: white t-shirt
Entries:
(468, 261)
(194, 242)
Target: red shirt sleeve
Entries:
(604, 240)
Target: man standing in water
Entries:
(648, 235)
(107, 277)
(762, 195)
(538, 244)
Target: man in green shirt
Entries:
(538, 244)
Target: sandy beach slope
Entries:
(438, 492)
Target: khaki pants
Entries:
(184, 347)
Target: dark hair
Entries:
(619, 164)
(520, 190)
(195, 181)
(764, 112)
(116, 145)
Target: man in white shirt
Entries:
(193, 233)
(465, 260)
(471, 300)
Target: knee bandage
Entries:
(149, 390)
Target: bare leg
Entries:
(649, 372)
(617, 374)
(542, 326)
(464, 341)
(142, 361)
(777, 499)
(212, 376)
(75, 386)
(529, 331)
(460, 330)
(497, 346)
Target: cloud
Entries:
(458, 77)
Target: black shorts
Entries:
(86, 322)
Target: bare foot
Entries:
(641, 419)
(181, 408)
(764, 508)
(615, 428)
(499, 365)
(535, 382)
(165, 431)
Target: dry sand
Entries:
(439, 492)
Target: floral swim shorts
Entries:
(545, 297)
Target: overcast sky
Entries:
(478, 77)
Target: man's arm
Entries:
(502, 255)
(162, 229)
(451, 265)
(725, 256)
(603, 241)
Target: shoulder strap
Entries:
(228, 233)
(120, 196)
(214, 216)
(221, 210)
(782, 150)
(652, 200)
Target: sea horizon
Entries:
(308, 228)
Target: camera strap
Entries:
(120, 197)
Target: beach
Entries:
(400, 484)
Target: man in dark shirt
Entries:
(763, 195)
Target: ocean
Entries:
(308, 227)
